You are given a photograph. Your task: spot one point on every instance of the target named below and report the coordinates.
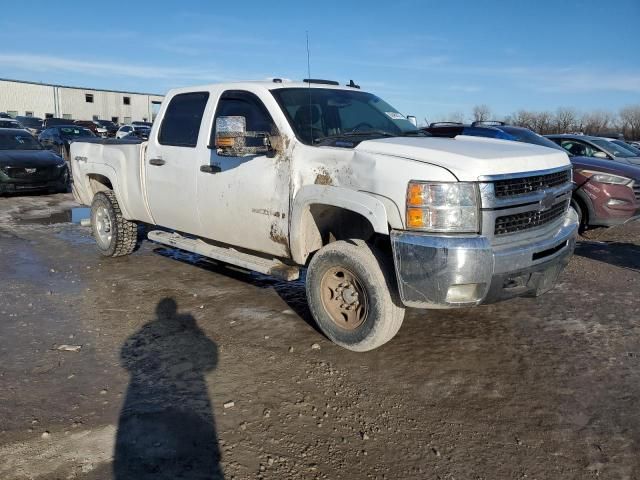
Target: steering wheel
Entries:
(360, 125)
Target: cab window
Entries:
(182, 119)
(247, 105)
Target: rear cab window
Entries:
(182, 120)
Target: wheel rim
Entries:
(344, 298)
(103, 227)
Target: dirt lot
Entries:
(192, 370)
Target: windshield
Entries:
(141, 128)
(318, 113)
(615, 150)
(18, 141)
(69, 132)
(527, 136)
(106, 123)
(626, 146)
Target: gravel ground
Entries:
(164, 365)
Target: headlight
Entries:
(605, 177)
(442, 207)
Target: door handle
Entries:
(210, 169)
(158, 162)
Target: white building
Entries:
(43, 100)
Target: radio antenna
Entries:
(309, 77)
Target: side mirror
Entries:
(601, 155)
(413, 120)
(233, 139)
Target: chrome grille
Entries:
(524, 185)
(519, 222)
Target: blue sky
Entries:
(428, 58)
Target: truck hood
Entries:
(469, 158)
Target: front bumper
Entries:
(452, 271)
(53, 183)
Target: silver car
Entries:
(597, 147)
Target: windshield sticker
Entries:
(395, 116)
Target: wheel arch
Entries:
(322, 214)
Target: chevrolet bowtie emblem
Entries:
(547, 201)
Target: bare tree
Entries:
(524, 118)
(596, 122)
(481, 113)
(565, 120)
(542, 122)
(630, 121)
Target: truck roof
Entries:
(261, 84)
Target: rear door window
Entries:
(181, 122)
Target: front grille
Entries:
(520, 186)
(526, 220)
(40, 173)
(636, 190)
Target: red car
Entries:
(607, 192)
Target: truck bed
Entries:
(97, 160)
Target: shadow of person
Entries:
(167, 428)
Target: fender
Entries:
(109, 172)
(362, 203)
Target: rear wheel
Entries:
(115, 236)
(352, 295)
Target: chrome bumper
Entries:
(444, 272)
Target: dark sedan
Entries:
(26, 166)
(59, 138)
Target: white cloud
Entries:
(49, 63)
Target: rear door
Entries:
(171, 163)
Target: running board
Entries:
(227, 255)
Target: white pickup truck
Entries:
(282, 176)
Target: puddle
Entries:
(80, 213)
(74, 215)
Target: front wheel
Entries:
(352, 295)
(115, 236)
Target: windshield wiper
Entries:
(368, 133)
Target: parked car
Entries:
(142, 124)
(596, 147)
(26, 166)
(53, 121)
(333, 179)
(10, 123)
(4, 115)
(607, 193)
(627, 145)
(138, 134)
(94, 126)
(33, 124)
(59, 138)
(111, 127)
(125, 130)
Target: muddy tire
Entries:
(352, 295)
(115, 236)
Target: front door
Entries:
(245, 200)
(172, 163)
